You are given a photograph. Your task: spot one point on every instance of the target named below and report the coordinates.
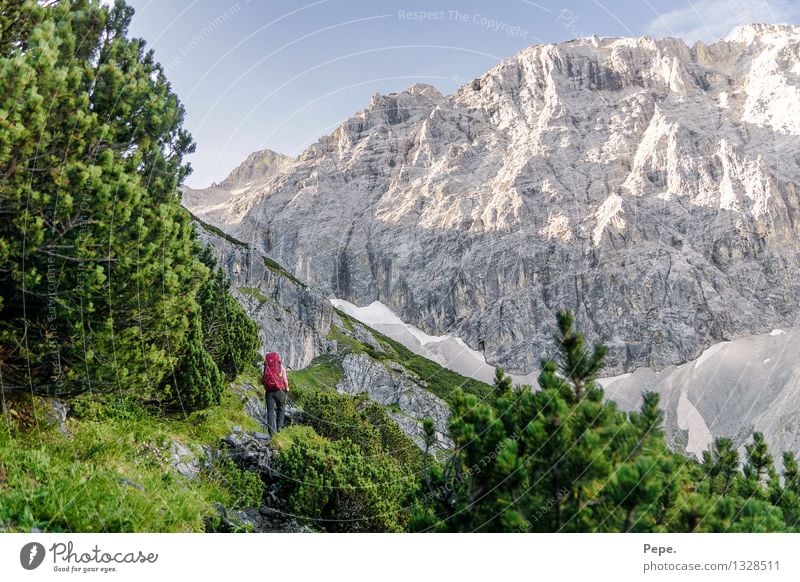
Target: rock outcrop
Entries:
(252, 452)
(649, 186)
(293, 318)
(397, 388)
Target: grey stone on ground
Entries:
(185, 461)
(56, 411)
(248, 452)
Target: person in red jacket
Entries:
(276, 385)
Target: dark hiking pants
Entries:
(276, 410)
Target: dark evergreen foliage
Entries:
(229, 335)
(99, 274)
(565, 459)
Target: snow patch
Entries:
(606, 382)
(690, 419)
(446, 350)
(708, 353)
(775, 332)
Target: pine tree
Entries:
(759, 466)
(197, 383)
(791, 472)
(577, 364)
(563, 458)
(99, 273)
(650, 418)
(721, 465)
(229, 335)
(99, 270)
(790, 498)
(502, 383)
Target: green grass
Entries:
(220, 233)
(437, 379)
(350, 343)
(112, 473)
(323, 374)
(277, 268)
(253, 292)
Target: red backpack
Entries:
(273, 373)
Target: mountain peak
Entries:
(650, 185)
(399, 107)
(259, 165)
(746, 33)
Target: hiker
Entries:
(276, 384)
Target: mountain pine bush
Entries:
(99, 269)
(565, 459)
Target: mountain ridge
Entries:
(649, 186)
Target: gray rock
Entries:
(648, 186)
(293, 318)
(56, 411)
(184, 460)
(252, 452)
(251, 520)
(249, 453)
(269, 521)
(413, 428)
(396, 388)
(365, 336)
(129, 483)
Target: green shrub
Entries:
(334, 486)
(245, 488)
(97, 257)
(197, 383)
(360, 420)
(229, 335)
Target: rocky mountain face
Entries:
(296, 320)
(734, 388)
(649, 186)
(258, 167)
(293, 318)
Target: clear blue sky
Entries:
(277, 74)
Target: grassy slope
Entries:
(438, 380)
(112, 473)
(218, 232)
(253, 292)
